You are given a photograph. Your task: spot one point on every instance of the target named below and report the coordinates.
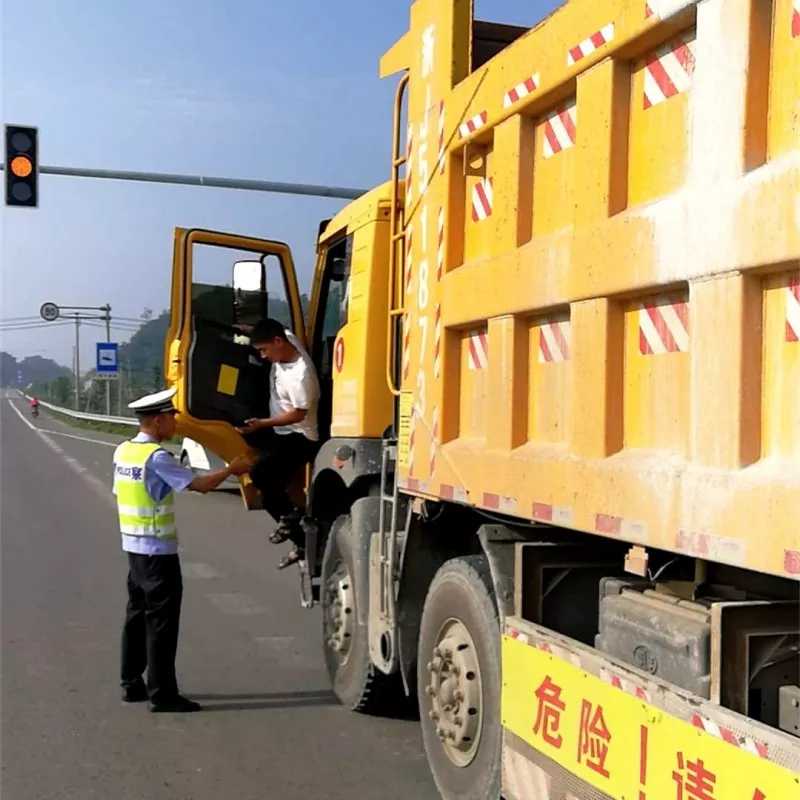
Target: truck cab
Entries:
(224, 282)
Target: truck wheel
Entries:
(459, 680)
(354, 678)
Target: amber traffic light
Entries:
(22, 166)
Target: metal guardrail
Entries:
(68, 412)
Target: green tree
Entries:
(60, 391)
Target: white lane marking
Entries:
(22, 416)
(96, 484)
(79, 438)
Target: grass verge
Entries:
(124, 431)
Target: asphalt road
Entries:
(270, 728)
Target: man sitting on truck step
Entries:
(288, 438)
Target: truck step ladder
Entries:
(386, 556)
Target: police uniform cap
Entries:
(152, 404)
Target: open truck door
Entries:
(221, 285)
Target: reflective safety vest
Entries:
(139, 514)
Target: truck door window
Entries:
(212, 290)
(334, 303)
(216, 309)
(331, 316)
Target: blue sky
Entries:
(284, 91)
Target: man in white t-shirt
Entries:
(288, 438)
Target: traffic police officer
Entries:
(146, 476)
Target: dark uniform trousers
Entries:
(150, 635)
(281, 455)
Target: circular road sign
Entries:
(49, 312)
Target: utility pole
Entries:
(51, 312)
(119, 390)
(77, 362)
(107, 315)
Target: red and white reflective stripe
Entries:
(522, 779)
(560, 652)
(409, 262)
(406, 345)
(454, 493)
(440, 244)
(795, 19)
(664, 327)
(437, 340)
(441, 137)
(478, 344)
(625, 684)
(791, 562)
(472, 124)
(560, 129)
(554, 341)
(590, 44)
(434, 439)
(409, 163)
(499, 502)
(793, 310)
(558, 515)
(521, 90)
(729, 736)
(548, 647)
(668, 72)
(634, 530)
(519, 635)
(482, 200)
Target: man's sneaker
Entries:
(135, 693)
(178, 705)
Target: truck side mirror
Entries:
(249, 292)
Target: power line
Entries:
(33, 326)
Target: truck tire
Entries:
(459, 680)
(354, 678)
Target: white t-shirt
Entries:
(295, 385)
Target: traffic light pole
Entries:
(275, 187)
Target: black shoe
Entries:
(135, 693)
(178, 705)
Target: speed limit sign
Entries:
(49, 312)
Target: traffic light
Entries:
(22, 166)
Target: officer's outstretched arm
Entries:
(207, 483)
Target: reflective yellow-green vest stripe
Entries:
(139, 514)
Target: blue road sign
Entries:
(107, 359)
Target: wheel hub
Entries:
(455, 692)
(338, 605)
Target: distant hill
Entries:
(33, 369)
(143, 356)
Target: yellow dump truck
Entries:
(558, 495)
